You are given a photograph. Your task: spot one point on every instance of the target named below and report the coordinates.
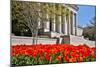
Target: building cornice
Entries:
(74, 7)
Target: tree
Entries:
(93, 22)
(90, 30)
(29, 14)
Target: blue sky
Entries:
(85, 13)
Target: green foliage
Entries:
(21, 60)
(90, 30)
(90, 36)
(89, 58)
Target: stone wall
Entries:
(76, 40)
(29, 40)
(79, 31)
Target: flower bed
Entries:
(50, 54)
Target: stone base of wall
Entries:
(77, 40)
(16, 40)
(74, 40)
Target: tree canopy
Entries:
(90, 30)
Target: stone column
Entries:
(47, 21)
(69, 22)
(53, 19)
(75, 25)
(54, 26)
(59, 24)
(63, 21)
(64, 25)
(52, 23)
(71, 17)
(58, 19)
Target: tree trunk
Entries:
(22, 33)
(36, 36)
(33, 38)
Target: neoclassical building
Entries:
(59, 21)
(61, 24)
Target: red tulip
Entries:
(61, 51)
(72, 60)
(58, 58)
(66, 58)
